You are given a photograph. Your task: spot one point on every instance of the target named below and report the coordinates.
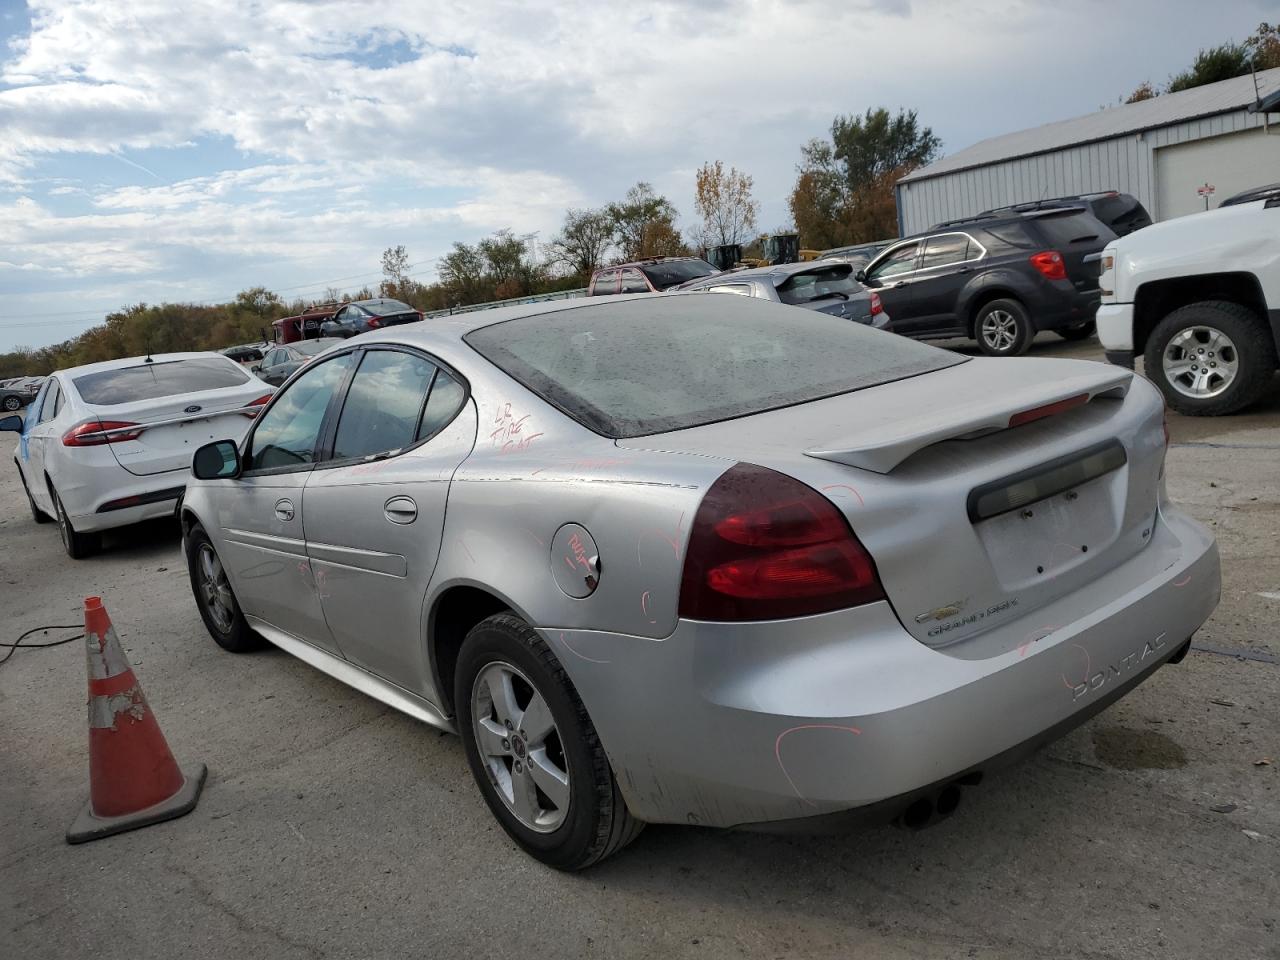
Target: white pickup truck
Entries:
(1199, 299)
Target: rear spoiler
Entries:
(885, 444)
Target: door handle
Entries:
(284, 510)
(400, 510)
(900, 283)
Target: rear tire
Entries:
(77, 545)
(585, 819)
(1003, 329)
(1211, 358)
(1083, 332)
(217, 604)
(12, 403)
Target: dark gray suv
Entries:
(998, 280)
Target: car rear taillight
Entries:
(254, 407)
(765, 546)
(1050, 263)
(94, 433)
(876, 306)
(374, 323)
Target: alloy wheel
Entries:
(520, 746)
(12, 403)
(999, 330)
(215, 589)
(1200, 362)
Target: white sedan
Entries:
(109, 444)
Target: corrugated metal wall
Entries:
(1124, 163)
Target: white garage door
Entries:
(1231, 163)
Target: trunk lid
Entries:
(1075, 234)
(166, 399)
(919, 467)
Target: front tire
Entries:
(78, 545)
(217, 604)
(1210, 358)
(12, 403)
(1003, 329)
(533, 750)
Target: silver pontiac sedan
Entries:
(707, 560)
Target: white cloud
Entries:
(386, 121)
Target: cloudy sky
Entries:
(153, 150)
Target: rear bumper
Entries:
(726, 725)
(1065, 308)
(100, 496)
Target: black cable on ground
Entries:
(13, 647)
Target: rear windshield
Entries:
(151, 381)
(1062, 230)
(309, 348)
(834, 282)
(385, 308)
(666, 363)
(665, 275)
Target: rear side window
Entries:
(152, 381)
(1012, 234)
(1062, 230)
(829, 282)
(443, 404)
(632, 282)
(383, 404)
(947, 248)
(657, 363)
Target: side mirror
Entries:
(255, 368)
(11, 424)
(861, 276)
(219, 460)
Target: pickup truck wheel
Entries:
(1210, 358)
(1003, 329)
(1083, 332)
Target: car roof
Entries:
(137, 361)
(644, 262)
(1269, 192)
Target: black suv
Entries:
(997, 280)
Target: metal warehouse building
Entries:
(1160, 150)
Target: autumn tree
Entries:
(395, 270)
(462, 274)
(723, 200)
(583, 242)
(644, 224)
(844, 188)
(1217, 63)
(1144, 91)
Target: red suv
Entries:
(648, 276)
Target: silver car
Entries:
(825, 287)
(706, 560)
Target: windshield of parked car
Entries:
(385, 308)
(668, 274)
(835, 281)
(151, 381)
(666, 363)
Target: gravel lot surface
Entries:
(332, 826)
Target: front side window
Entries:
(897, 261)
(946, 249)
(606, 283)
(287, 434)
(383, 405)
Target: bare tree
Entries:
(723, 200)
(583, 242)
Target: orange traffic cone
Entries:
(133, 779)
